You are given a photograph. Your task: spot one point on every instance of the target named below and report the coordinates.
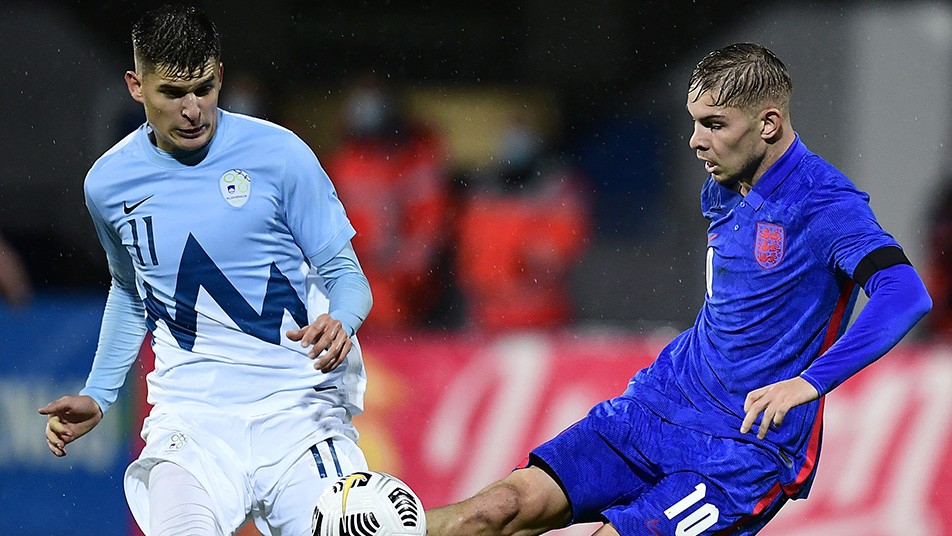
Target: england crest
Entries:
(768, 248)
(235, 187)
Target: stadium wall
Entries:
(451, 412)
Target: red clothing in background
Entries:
(515, 253)
(395, 192)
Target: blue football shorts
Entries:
(624, 465)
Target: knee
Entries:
(528, 501)
(506, 504)
(496, 510)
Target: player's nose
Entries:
(697, 140)
(190, 109)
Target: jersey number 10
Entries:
(697, 521)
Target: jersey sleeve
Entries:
(123, 325)
(348, 289)
(897, 301)
(314, 213)
(843, 229)
(120, 264)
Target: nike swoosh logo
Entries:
(129, 208)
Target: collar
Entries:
(776, 174)
(167, 160)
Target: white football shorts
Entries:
(271, 468)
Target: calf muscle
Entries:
(525, 503)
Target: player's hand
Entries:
(774, 401)
(325, 335)
(68, 419)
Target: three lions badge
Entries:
(768, 248)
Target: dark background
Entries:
(605, 62)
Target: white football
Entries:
(369, 503)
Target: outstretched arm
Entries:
(121, 334)
(897, 301)
(120, 337)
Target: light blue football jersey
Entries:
(222, 247)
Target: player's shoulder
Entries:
(249, 135)
(261, 131)
(825, 192)
(818, 168)
(826, 183)
(114, 162)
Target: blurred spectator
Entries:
(15, 286)
(245, 94)
(938, 274)
(390, 173)
(521, 230)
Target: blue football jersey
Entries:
(779, 292)
(222, 247)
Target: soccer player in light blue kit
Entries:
(724, 427)
(227, 241)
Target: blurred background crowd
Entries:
(526, 204)
(519, 166)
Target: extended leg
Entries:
(527, 502)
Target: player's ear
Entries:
(134, 83)
(772, 120)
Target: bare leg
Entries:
(527, 502)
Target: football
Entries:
(369, 503)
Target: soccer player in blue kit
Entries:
(725, 426)
(227, 241)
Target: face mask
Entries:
(368, 112)
(243, 102)
(519, 147)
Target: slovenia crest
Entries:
(768, 248)
(235, 187)
(176, 442)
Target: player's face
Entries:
(183, 112)
(728, 140)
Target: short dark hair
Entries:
(743, 75)
(176, 38)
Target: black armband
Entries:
(877, 260)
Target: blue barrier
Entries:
(45, 352)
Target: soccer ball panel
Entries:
(369, 503)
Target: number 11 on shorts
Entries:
(697, 521)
